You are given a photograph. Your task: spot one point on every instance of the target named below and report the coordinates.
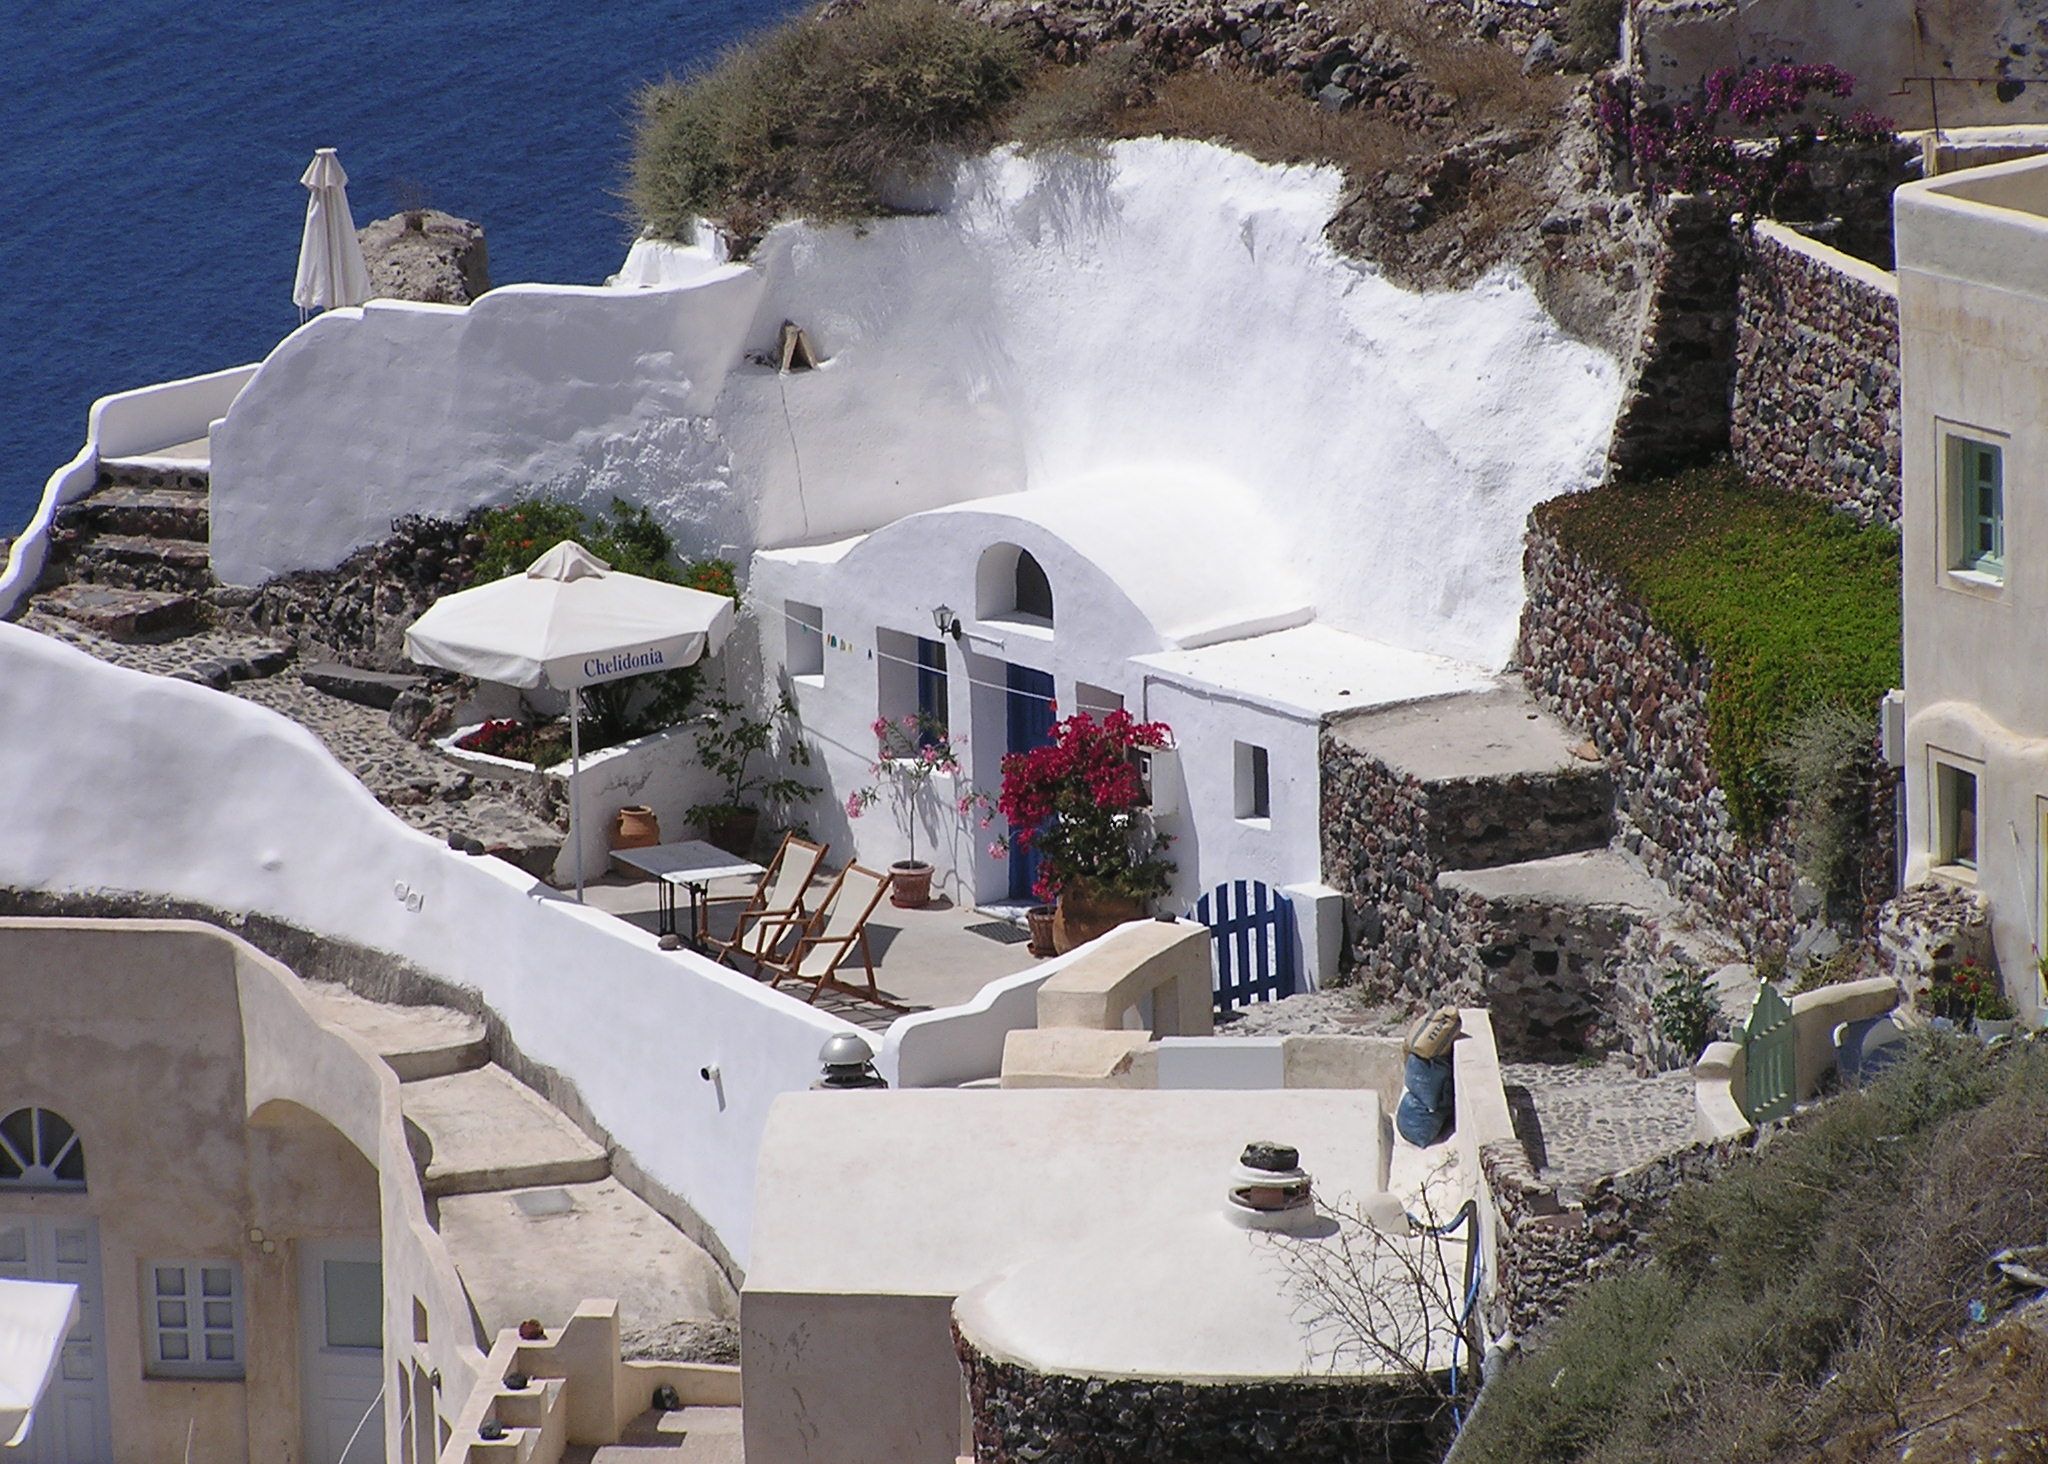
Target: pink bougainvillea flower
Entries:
(853, 805)
(996, 850)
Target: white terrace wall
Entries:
(398, 407)
(126, 424)
(1676, 43)
(1170, 307)
(115, 781)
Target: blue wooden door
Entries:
(1251, 942)
(1029, 715)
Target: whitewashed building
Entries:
(1973, 307)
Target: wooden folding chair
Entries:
(775, 910)
(829, 937)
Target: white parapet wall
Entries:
(114, 782)
(126, 424)
(395, 408)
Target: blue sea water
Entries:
(150, 152)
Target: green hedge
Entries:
(1795, 605)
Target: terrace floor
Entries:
(926, 958)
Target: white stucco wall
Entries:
(126, 424)
(1170, 310)
(397, 407)
(112, 780)
(1973, 304)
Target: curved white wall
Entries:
(1174, 307)
(111, 780)
(126, 424)
(579, 391)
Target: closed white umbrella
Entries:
(331, 268)
(569, 621)
(35, 1316)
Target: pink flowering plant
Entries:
(1079, 803)
(1746, 138)
(909, 752)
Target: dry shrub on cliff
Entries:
(1272, 122)
(1077, 108)
(817, 117)
(1804, 1297)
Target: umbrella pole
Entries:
(575, 781)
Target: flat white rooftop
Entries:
(929, 1192)
(1316, 670)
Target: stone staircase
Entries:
(129, 560)
(1519, 898)
(525, 1200)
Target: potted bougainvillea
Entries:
(1078, 803)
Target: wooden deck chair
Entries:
(775, 910)
(829, 937)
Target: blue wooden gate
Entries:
(1251, 942)
(1028, 715)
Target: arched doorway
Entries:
(42, 1154)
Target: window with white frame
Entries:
(195, 1319)
(1955, 816)
(1254, 782)
(804, 650)
(1975, 471)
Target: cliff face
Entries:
(427, 255)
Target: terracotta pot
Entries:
(1040, 919)
(910, 884)
(635, 827)
(1084, 913)
(734, 831)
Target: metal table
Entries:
(692, 864)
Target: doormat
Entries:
(1002, 931)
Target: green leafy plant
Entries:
(816, 116)
(1795, 606)
(1686, 1010)
(1969, 991)
(628, 538)
(1824, 760)
(1592, 32)
(732, 745)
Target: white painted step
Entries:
(414, 1041)
(489, 1131)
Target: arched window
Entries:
(1010, 584)
(1034, 590)
(40, 1150)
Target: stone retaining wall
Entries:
(1816, 390)
(1594, 656)
(1596, 659)
(1549, 1243)
(1021, 1415)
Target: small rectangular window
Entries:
(804, 652)
(1976, 506)
(195, 1320)
(1254, 782)
(931, 690)
(1955, 795)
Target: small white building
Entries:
(1174, 602)
(1973, 310)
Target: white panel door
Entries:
(341, 1317)
(72, 1425)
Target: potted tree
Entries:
(730, 744)
(1078, 803)
(909, 753)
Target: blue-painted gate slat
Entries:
(1251, 931)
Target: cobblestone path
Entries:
(1579, 1123)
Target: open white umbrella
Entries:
(35, 1316)
(569, 621)
(331, 268)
